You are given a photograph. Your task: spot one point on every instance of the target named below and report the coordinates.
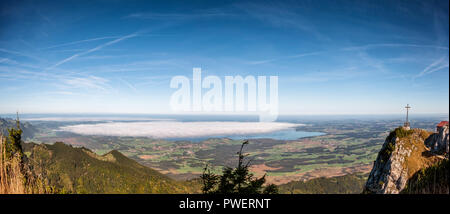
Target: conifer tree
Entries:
(14, 139)
(237, 180)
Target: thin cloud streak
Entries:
(90, 82)
(92, 50)
(80, 41)
(258, 62)
(369, 46)
(324, 76)
(281, 16)
(437, 65)
(20, 54)
(352, 48)
(129, 85)
(181, 16)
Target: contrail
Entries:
(81, 41)
(92, 50)
(435, 66)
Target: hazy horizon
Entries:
(99, 117)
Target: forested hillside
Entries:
(347, 184)
(79, 170)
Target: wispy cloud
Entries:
(324, 76)
(277, 15)
(182, 16)
(359, 49)
(381, 45)
(373, 62)
(20, 54)
(436, 65)
(144, 65)
(92, 50)
(154, 81)
(64, 93)
(7, 61)
(58, 81)
(81, 41)
(258, 62)
(281, 15)
(89, 82)
(128, 84)
(14, 63)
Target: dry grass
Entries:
(12, 180)
(16, 177)
(419, 157)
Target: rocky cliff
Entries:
(439, 142)
(402, 155)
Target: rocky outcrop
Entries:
(402, 155)
(439, 142)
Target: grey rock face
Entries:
(439, 142)
(388, 176)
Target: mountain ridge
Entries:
(403, 154)
(79, 170)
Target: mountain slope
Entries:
(79, 170)
(347, 184)
(28, 129)
(430, 180)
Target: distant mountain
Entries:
(79, 170)
(411, 161)
(28, 129)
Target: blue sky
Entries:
(332, 57)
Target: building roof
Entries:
(442, 123)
